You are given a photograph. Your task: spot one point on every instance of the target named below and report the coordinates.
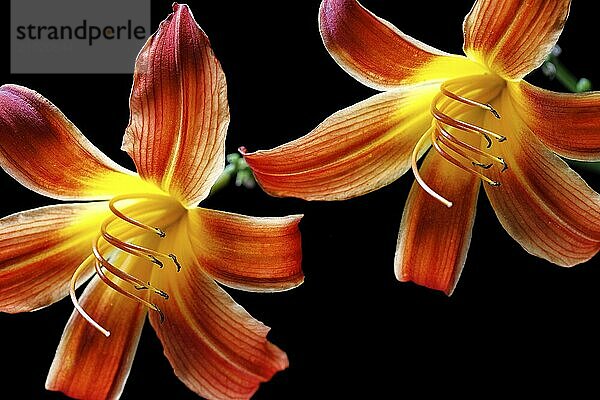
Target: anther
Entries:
(504, 164)
(484, 166)
(161, 316)
(175, 261)
(156, 261)
(159, 292)
(492, 110)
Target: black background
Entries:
(351, 328)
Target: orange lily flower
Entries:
(143, 237)
(482, 121)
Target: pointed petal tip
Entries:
(242, 150)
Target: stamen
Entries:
(124, 292)
(464, 100)
(174, 258)
(134, 249)
(132, 221)
(415, 170)
(122, 274)
(447, 136)
(78, 307)
(457, 150)
(459, 164)
(103, 264)
(464, 126)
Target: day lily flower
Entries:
(475, 118)
(148, 247)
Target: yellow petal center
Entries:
(134, 226)
(457, 133)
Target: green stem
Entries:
(236, 169)
(563, 75)
(553, 68)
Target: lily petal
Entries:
(46, 153)
(247, 253)
(40, 250)
(378, 54)
(215, 347)
(179, 110)
(355, 151)
(513, 37)
(434, 239)
(567, 123)
(88, 365)
(542, 203)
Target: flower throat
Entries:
(451, 147)
(109, 243)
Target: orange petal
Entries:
(542, 203)
(39, 251)
(355, 151)
(378, 54)
(434, 239)
(248, 253)
(179, 111)
(215, 347)
(568, 123)
(513, 37)
(45, 152)
(88, 365)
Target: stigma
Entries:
(107, 245)
(447, 135)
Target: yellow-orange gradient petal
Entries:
(434, 239)
(215, 347)
(46, 153)
(247, 253)
(567, 123)
(378, 54)
(542, 203)
(179, 110)
(513, 37)
(88, 365)
(39, 251)
(355, 151)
